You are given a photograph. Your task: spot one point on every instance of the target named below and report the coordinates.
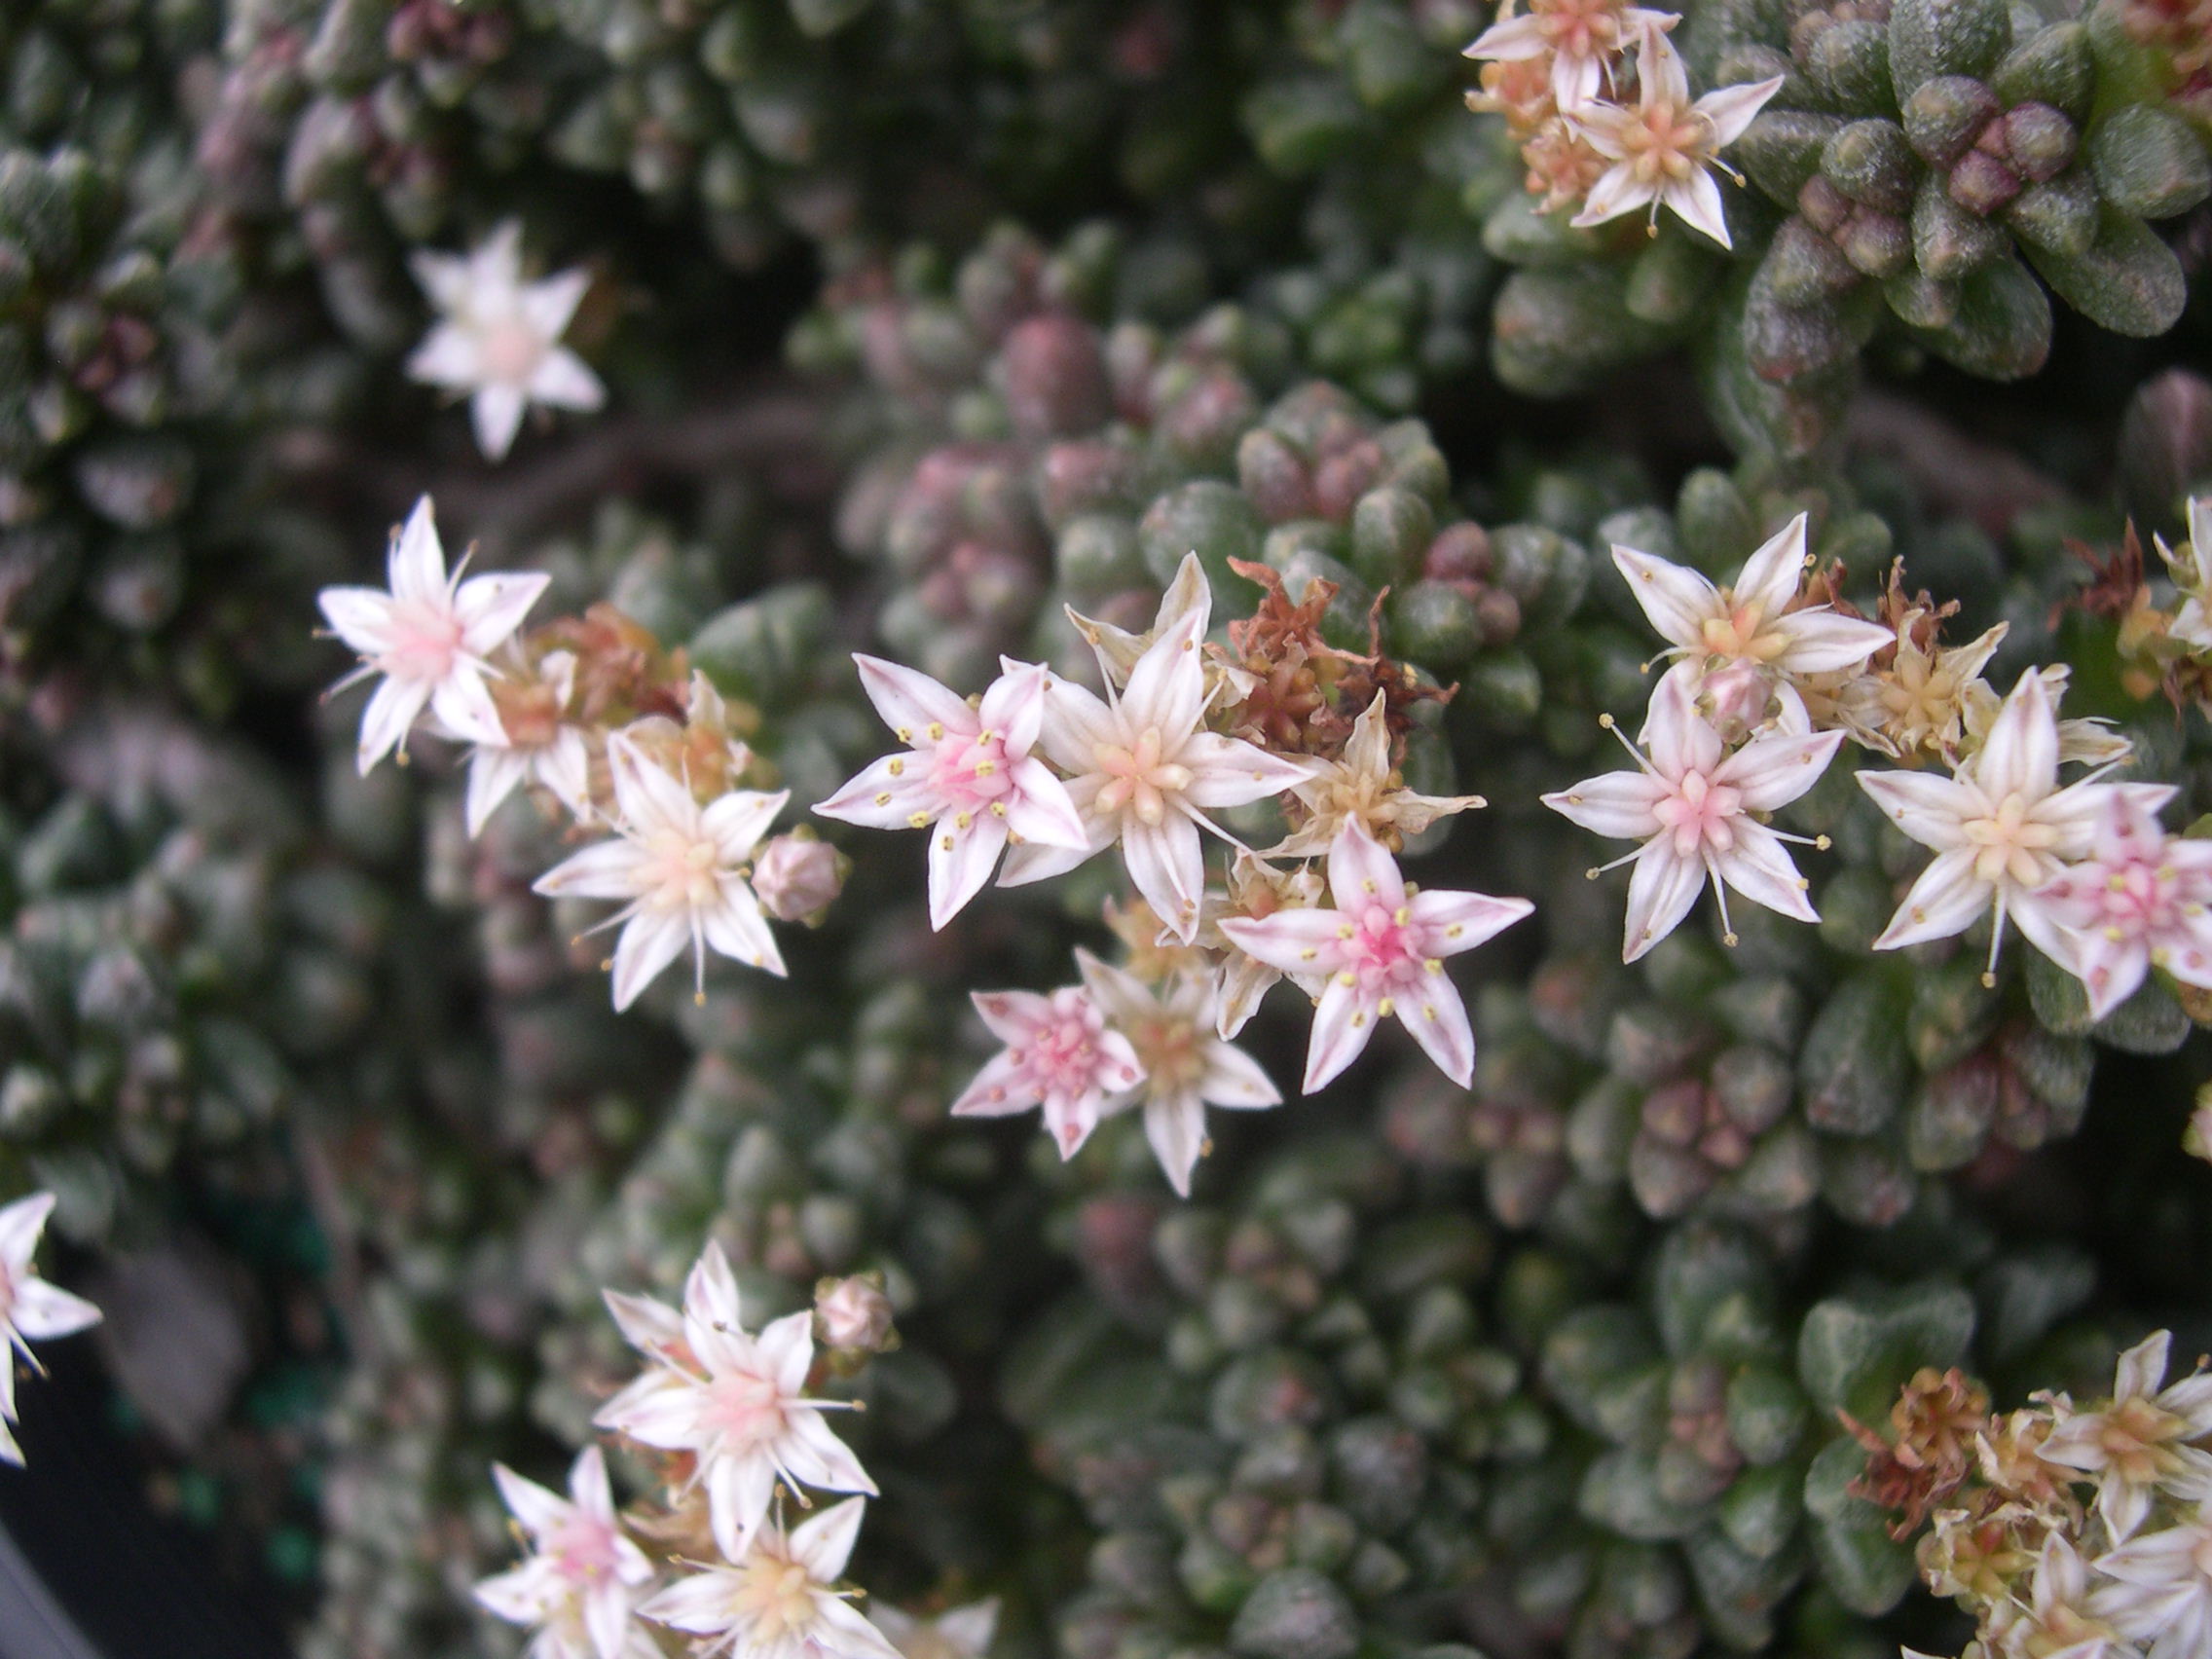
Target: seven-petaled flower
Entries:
(431, 640)
(969, 777)
(1746, 635)
(1382, 947)
(734, 1401)
(1694, 805)
(2141, 1442)
(499, 339)
(1187, 1066)
(1060, 1055)
(1580, 38)
(1662, 145)
(29, 1305)
(583, 1574)
(2140, 900)
(2002, 829)
(1144, 771)
(682, 867)
(779, 1600)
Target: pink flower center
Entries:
(510, 352)
(970, 769)
(1700, 812)
(681, 871)
(745, 1408)
(1665, 142)
(581, 1549)
(2013, 844)
(426, 641)
(1383, 949)
(1581, 28)
(1139, 779)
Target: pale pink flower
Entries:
(1382, 948)
(1693, 804)
(2140, 900)
(1060, 1055)
(2002, 829)
(2140, 1443)
(1580, 37)
(1663, 148)
(1187, 1066)
(968, 778)
(733, 1401)
(2160, 1590)
(499, 339)
(1746, 630)
(583, 1576)
(430, 638)
(30, 1308)
(957, 1633)
(779, 1600)
(1143, 771)
(550, 752)
(682, 867)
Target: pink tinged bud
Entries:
(798, 877)
(854, 1313)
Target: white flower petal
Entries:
(1437, 1017)
(496, 412)
(44, 1311)
(1342, 1023)
(1946, 900)
(824, 1544)
(1662, 887)
(960, 862)
(649, 942)
(1677, 599)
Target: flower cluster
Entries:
(2059, 1528)
(1601, 102)
(29, 1305)
(1051, 774)
(1771, 676)
(727, 1417)
(604, 726)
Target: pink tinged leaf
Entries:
(1291, 941)
(1234, 1079)
(1618, 804)
(649, 942)
(464, 706)
(960, 862)
(495, 413)
(392, 709)
(1661, 889)
(1675, 599)
(1927, 808)
(885, 796)
(1776, 770)
(493, 775)
(736, 929)
(2021, 754)
(1167, 867)
(1039, 809)
(1759, 867)
(1000, 1089)
(825, 1544)
(360, 616)
(1452, 922)
(1177, 1128)
(1732, 109)
(1343, 1022)
(43, 1310)
(1227, 771)
(1946, 900)
(1772, 576)
(736, 821)
(1362, 873)
(1014, 705)
(910, 703)
(1822, 642)
(607, 871)
(1434, 1014)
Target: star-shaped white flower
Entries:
(1382, 948)
(499, 338)
(1186, 1066)
(968, 776)
(1663, 148)
(2140, 900)
(2159, 1590)
(430, 638)
(733, 1401)
(1693, 805)
(30, 1308)
(682, 868)
(1363, 785)
(1060, 1055)
(2141, 1442)
(1143, 771)
(2002, 829)
(957, 1633)
(1748, 625)
(1580, 37)
(583, 1576)
(780, 1601)
(540, 745)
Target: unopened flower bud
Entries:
(797, 877)
(854, 1315)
